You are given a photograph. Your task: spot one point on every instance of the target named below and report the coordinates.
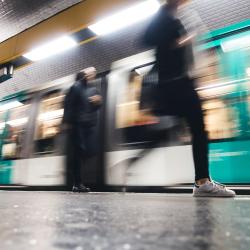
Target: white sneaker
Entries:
(212, 189)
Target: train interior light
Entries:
(51, 115)
(235, 44)
(10, 105)
(248, 71)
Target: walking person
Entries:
(176, 93)
(81, 105)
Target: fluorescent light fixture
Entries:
(52, 48)
(238, 43)
(10, 105)
(126, 17)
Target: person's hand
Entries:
(184, 40)
(13, 138)
(95, 99)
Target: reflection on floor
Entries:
(61, 220)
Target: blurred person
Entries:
(176, 93)
(199, 60)
(80, 119)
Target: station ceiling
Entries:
(65, 22)
(19, 15)
(100, 52)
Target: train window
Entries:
(129, 103)
(135, 118)
(220, 119)
(14, 129)
(2, 123)
(48, 122)
(2, 126)
(208, 68)
(226, 101)
(220, 115)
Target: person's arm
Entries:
(186, 39)
(96, 100)
(69, 103)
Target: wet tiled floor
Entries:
(62, 220)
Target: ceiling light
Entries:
(10, 105)
(51, 48)
(238, 43)
(126, 17)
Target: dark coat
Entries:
(163, 33)
(77, 107)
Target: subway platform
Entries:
(122, 221)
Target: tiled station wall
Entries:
(103, 51)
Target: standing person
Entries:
(176, 93)
(80, 119)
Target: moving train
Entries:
(32, 145)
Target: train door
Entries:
(224, 89)
(49, 161)
(92, 167)
(230, 150)
(15, 117)
(130, 158)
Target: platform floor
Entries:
(62, 220)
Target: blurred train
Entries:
(32, 146)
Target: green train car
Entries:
(31, 146)
(228, 106)
(223, 85)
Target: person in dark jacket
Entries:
(81, 105)
(176, 93)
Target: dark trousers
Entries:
(179, 98)
(81, 144)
